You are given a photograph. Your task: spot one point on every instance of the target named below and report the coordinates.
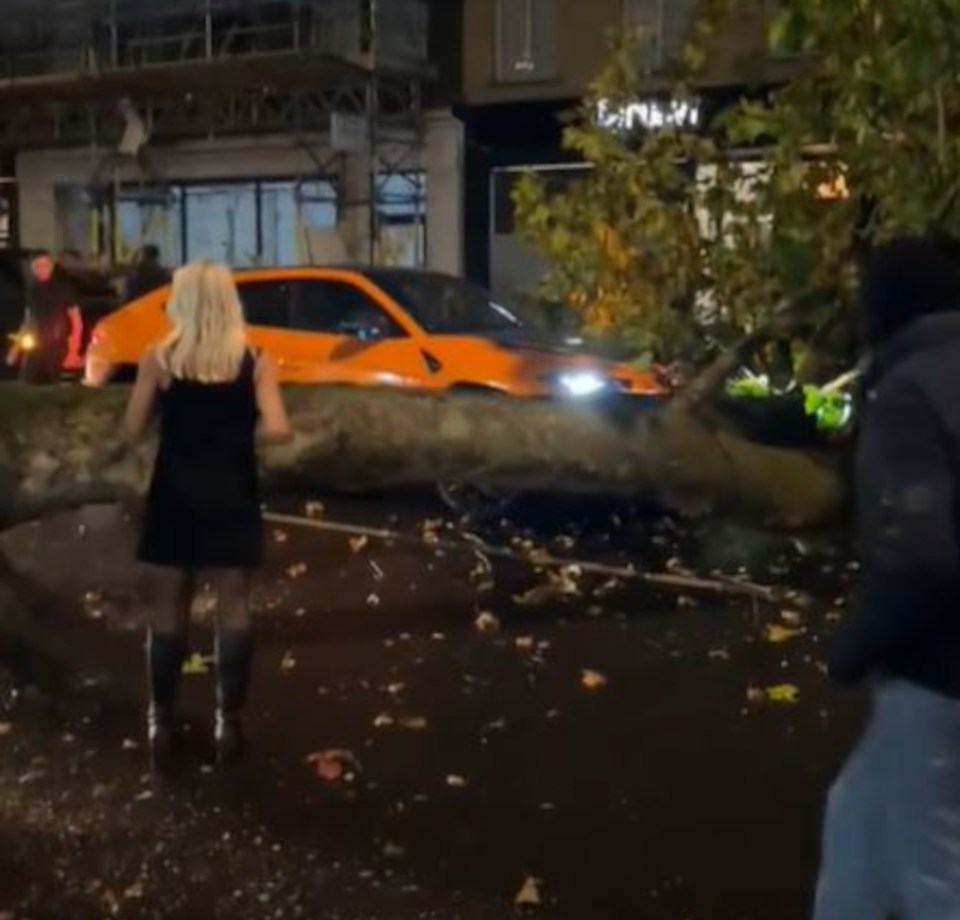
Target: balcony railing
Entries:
(58, 37)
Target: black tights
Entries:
(171, 594)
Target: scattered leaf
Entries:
(134, 892)
(487, 623)
(288, 662)
(373, 600)
(5, 729)
(457, 782)
(297, 571)
(384, 720)
(593, 680)
(280, 536)
(335, 765)
(197, 665)
(394, 851)
(396, 689)
(314, 509)
(358, 543)
(525, 643)
(783, 693)
(777, 634)
(414, 723)
(529, 894)
(719, 654)
(791, 617)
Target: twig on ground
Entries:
(729, 587)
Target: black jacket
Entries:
(906, 622)
(48, 303)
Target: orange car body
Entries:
(379, 327)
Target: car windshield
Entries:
(444, 305)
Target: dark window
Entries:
(526, 40)
(266, 303)
(444, 305)
(340, 308)
(661, 26)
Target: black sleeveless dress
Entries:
(203, 507)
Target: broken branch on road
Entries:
(729, 587)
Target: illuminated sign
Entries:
(648, 115)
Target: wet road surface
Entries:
(616, 746)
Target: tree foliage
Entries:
(675, 241)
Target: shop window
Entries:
(150, 216)
(221, 222)
(290, 211)
(402, 211)
(526, 40)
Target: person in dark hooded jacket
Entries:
(891, 843)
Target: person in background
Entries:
(891, 840)
(211, 393)
(42, 346)
(147, 274)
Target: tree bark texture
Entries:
(63, 447)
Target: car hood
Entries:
(530, 354)
(536, 340)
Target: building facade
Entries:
(251, 131)
(530, 62)
(292, 131)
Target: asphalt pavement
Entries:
(437, 730)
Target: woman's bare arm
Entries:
(143, 400)
(274, 423)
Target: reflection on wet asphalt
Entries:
(600, 740)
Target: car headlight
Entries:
(582, 384)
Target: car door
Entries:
(341, 334)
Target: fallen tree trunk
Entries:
(62, 448)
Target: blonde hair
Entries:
(208, 340)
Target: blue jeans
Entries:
(891, 839)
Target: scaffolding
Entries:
(119, 76)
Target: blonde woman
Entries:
(210, 392)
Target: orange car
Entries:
(380, 327)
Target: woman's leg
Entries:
(170, 595)
(234, 658)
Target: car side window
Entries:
(340, 308)
(266, 303)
